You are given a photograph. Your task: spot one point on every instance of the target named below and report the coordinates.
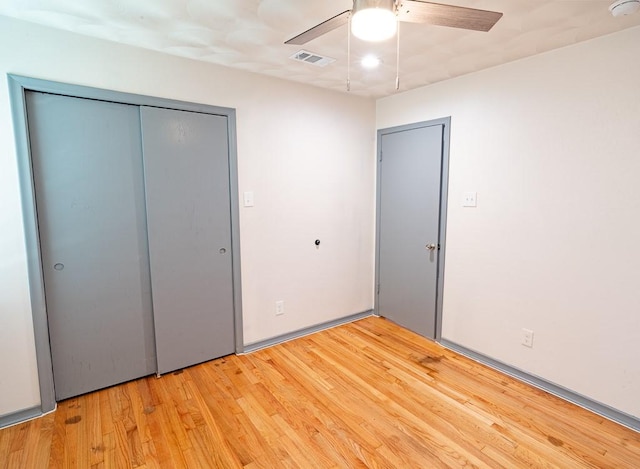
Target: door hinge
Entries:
(380, 156)
(378, 289)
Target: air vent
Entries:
(311, 58)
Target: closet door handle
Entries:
(431, 247)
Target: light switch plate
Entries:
(248, 199)
(469, 199)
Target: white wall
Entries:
(552, 146)
(307, 153)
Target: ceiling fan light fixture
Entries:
(374, 20)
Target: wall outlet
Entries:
(469, 199)
(527, 338)
(279, 308)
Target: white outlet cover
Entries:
(469, 199)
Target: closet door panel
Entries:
(186, 168)
(87, 171)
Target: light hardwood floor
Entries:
(366, 394)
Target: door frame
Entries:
(442, 222)
(18, 86)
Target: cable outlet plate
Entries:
(527, 338)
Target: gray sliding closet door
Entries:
(87, 171)
(186, 165)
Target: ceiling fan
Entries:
(376, 20)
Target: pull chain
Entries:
(398, 57)
(349, 53)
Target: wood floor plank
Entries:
(93, 424)
(363, 395)
(167, 426)
(38, 443)
(158, 447)
(58, 452)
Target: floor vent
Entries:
(311, 58)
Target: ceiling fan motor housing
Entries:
(363, 4)
(624, 7)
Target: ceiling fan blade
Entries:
(320, 29)
(447, 15)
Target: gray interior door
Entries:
(186, 168)
(409, 214)
(87, 170)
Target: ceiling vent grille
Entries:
(311, 58)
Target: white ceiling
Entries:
(250, 35)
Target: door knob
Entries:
(430, 247)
